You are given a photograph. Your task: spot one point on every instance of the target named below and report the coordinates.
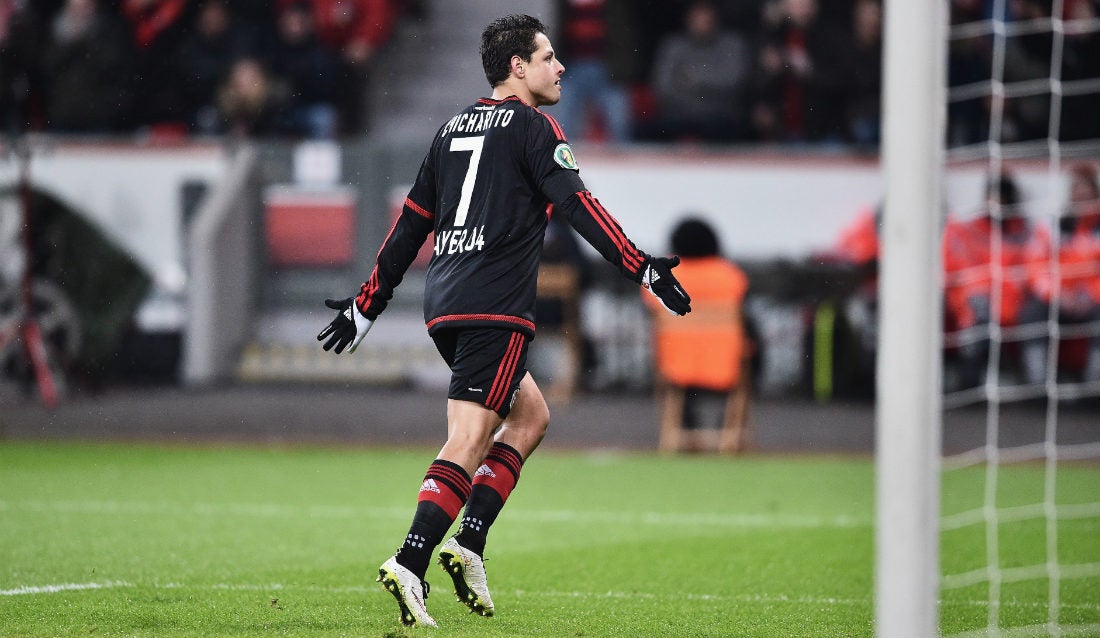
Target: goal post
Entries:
(908, 408)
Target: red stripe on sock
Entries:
(456, 478)
(446, 486)
(494, 475)
(500, 471)
(506, 455)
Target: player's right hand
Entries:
(658, 279)
(349, 326)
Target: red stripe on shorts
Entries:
(505, 372)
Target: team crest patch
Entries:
(563, 155)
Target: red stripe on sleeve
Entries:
(418, 209)
(631, 252)
(631, 259)
(558, 132)
(369, 287)
(366, 291)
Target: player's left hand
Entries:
(349, 326)
(658, 279)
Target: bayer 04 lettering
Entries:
(461, 240)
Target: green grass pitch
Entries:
(147, 540)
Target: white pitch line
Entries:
(695, 519)
(1031, 631)
(276, 510)
(29, 590)
(278, 587)
(761, 599)
(745, 598)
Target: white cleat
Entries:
(411, 593)
(467, 571)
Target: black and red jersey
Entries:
(494, 174)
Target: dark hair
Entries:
(506, 37)
(1005, 189)
(694, 237)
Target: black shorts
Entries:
(486, 364)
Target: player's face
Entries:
(543, 73)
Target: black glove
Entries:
(349, 327)
(658, 279)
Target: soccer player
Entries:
(494, 174)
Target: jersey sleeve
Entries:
(413, 225)
(555, 171)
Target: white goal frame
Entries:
(908, 409)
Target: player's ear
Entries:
(517, 66)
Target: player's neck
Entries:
(513, 86)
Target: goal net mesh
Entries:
(1020, 479)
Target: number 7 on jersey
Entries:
(473, 145)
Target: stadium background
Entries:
(192, 254)
(151, 186)
(178, 208)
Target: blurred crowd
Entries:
(1010, 267)
(1045, 273)
(1031, 55)
(729, 71)
(809, 71)
(179, 67)
(753, 71)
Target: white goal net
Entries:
(1020, 484)
(988, 450)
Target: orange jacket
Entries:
(1078, 269)
(858, 241)
(703, 348)
(968, 257)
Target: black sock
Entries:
(445, 489)
(430, 524)
(493, 483)
(481, 511)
